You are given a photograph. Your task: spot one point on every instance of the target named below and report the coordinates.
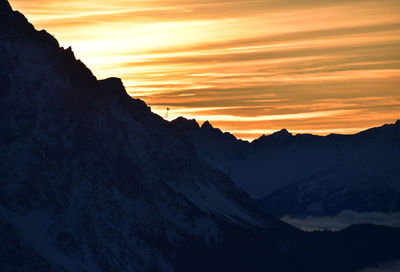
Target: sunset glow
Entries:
(249, 67)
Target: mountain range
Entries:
(92, 180)
(307, 175)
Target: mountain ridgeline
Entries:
(302, 175)
(92, 180)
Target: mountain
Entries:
(274, 161)
(306, 175)
(210, 143)
(92, 180)
(96, 168)
(364, 178)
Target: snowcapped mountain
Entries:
(364, 178)
(92, 180)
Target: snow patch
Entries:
(34, 228)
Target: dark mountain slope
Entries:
(314, 175)
(104, 180)
(365, 178)
(274, 161)
(306, 174)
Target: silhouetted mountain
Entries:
(364, 177)
(306, 174)
(210, 143)
(92, 180)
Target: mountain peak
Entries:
(5, 6)
(207, 125)
(185, 123)
(397, 123)
(282, 133)
(114, 85)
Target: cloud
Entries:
(343, 220)
(386, 267)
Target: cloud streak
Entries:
(343, 220)
(243, 60)
(386, 267)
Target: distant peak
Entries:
(282, 132)
(397, 123)
(207, 125)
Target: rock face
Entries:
(92, 180)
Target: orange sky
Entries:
(250, 67)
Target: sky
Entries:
(249, 67)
